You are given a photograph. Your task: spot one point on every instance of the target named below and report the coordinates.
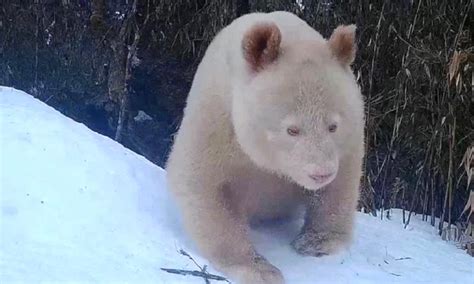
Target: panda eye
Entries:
(293, 131)
(332, 128)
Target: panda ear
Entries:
(342, 44)
(261, 45)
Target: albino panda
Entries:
(274, 121)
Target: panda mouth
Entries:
(322, 178)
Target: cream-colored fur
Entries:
(274, 120)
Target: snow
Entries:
(77, 206)
(142, 116)
(300, 4)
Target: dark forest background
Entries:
(124, 68)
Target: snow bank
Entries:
(76, 206)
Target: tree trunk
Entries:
(242, 7)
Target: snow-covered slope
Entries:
(76, 206)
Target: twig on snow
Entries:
(203, 273)
(196, 273)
